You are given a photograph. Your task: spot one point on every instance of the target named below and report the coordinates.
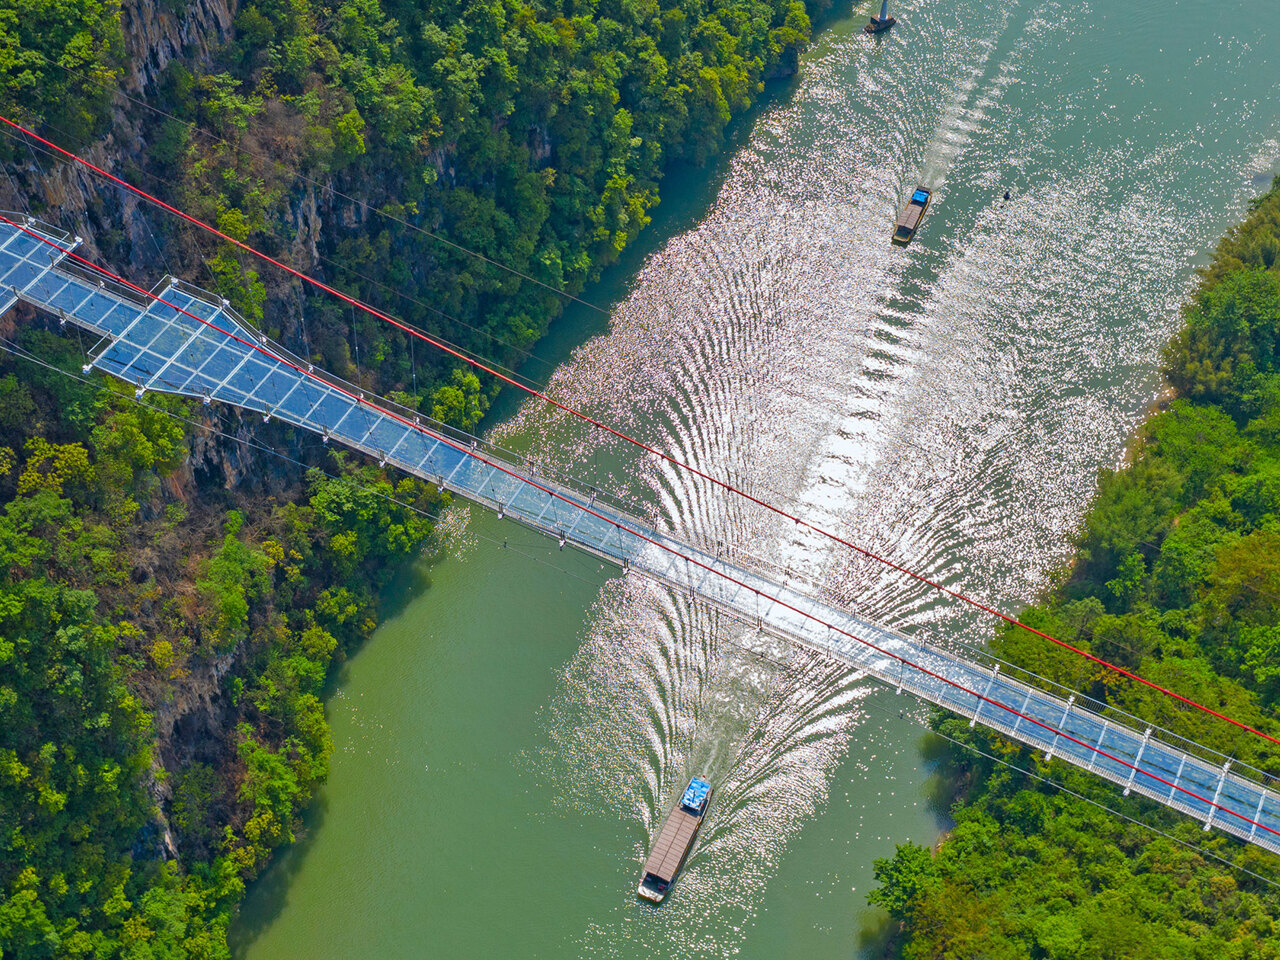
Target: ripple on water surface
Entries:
(947, 406)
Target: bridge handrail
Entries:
(795, 608)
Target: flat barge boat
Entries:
(911, 215)
(674, 840)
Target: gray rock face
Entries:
(155, 34)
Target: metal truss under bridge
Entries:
(181, 340)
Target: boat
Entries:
(881, 23)
(911, 215)
(674, 840)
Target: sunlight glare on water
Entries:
(947, 405)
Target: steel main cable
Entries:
(372, 311)
(354, 302)
(466, 451)
(524, 354)
(1080, 796)
(867, 703)
(749, 651)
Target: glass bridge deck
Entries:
(218, 357)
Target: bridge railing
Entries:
(1268, 776)
(788, 606)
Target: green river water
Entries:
(509, 740)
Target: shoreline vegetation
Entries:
(1176, 577)
(165, 642)
(173, 598)
(172, 602)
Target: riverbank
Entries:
(224, 585)
(950, 406)
(177, 589)
(1175, 578)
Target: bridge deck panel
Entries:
(269, 385)
(72, 297)
(213, 364)
(52, 288)
(21, 273)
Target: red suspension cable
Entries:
(372, 311)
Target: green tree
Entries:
(59, 60)
(460, 402)
(234, 575)
(905, 879)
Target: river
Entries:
(509, 740)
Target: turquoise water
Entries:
(509, 742)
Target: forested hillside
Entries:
(1177, 577)
(162, 655)
(172, 598)
(335, 134)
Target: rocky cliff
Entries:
(155, 33)
(227, 465)
(158, 32)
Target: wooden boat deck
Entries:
(672, 844)
(910, 216)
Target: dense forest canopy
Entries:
(1177, 578)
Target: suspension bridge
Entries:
(178, 339)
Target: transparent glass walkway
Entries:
(164, 347)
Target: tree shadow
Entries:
(942, 787)
(266, 897)
(408, 583)
(879, 936)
